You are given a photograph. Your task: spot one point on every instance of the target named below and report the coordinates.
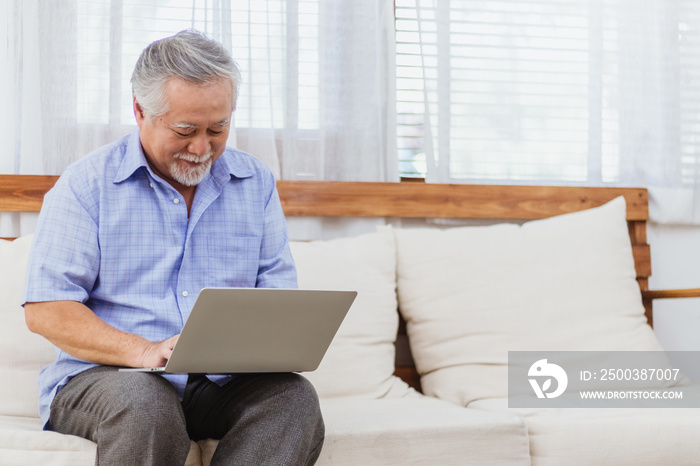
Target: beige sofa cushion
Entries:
(625, 436)
(23, 353)
(22, 442)
(471, 294)
(360, 360)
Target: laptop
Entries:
(232, 330)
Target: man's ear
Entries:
(138, 112)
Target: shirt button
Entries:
(150, 184)
(185, 293)
(176, 201)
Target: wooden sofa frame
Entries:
(25, 193)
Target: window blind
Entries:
(548, 91)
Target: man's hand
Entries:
(156, 354)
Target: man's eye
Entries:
(215, 132)
(184, 135)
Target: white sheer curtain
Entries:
(317, 100)
(594, 92)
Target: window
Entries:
(111, 35)
(560, 91)
(493, 91)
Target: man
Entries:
(125, 241)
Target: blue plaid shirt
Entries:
(116, 237)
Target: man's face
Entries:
(182, 144)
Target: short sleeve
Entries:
(65, 256)
(276, 268)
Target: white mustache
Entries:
(194, 158)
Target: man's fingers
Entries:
(170, 342)
(156, 354)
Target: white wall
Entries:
(675, 264)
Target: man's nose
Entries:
(199, 145)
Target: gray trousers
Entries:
(137, 418)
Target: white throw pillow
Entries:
(22, 353)
(360, 360)
(471, 294)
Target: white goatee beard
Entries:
(187, 175)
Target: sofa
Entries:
(465, 296)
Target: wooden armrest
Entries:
(664, 294)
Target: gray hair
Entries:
(188, 55)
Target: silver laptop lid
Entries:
(259, 330)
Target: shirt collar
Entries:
(133, 158)
(229, 164)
